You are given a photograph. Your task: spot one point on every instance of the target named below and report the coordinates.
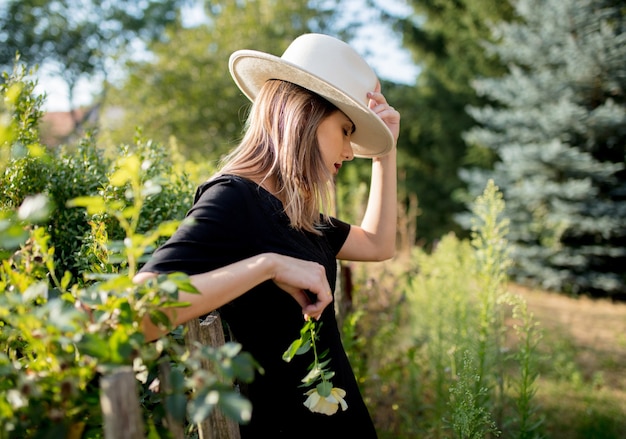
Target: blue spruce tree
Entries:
(557, 130)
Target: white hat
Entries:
(328, 67)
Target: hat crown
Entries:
(335, 62)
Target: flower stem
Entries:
(316, 359)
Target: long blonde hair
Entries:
(280, 143)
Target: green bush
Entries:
(61, 333)
(71, 172)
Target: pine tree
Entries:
(558, 129)
(444, 38)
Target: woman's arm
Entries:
(222, 285)
(375, 239)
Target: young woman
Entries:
(262, 247)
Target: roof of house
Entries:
(57, 126)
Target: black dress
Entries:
(235, 219)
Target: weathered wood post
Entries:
(210, 332)
(120, 405)
(176, 428)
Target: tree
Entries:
(186, 92)
(560, 141)
(445, 39)
(79, 37)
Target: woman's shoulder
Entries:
(236, 194)
(224, 185)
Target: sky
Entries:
(376, 43)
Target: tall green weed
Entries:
(447, 351)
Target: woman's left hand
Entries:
(378, 104)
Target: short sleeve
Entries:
(337, 234)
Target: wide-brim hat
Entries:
(326, 66)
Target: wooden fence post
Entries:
(120, 405)
(210, 332)
(176, 428)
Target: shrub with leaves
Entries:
(59, 336)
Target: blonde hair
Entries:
(280, 143)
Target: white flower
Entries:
(327, 405)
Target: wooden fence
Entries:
(119, 396)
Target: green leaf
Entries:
(328, 374)
(159, 318)
(244, 367)
(94, 205)
(312, 375)
(176, 405)
(304, 348)
(120, 177)
(63, 318)
(120, 347)
(324, 388)
(292, 351)
(181, 280)
(323, 364)
(201, 407)
(235, 407)
(12, 234)
(153, 433)
(65, 281)
(167, 228)
(230, 349)
(177, 380)
(169, 287)
(94, 346)
(174, 304)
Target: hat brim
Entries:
(251, 69)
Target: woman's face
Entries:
(333, 136)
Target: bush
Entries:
(71, 172)
(60, 336)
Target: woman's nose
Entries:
(348, 152)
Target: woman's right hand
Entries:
(299, 277)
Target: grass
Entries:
(582, 386)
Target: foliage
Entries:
(445, 40)
(438, 349)
(59, 337)
(559, 138)
(185, 90)
(469, 419)
(319, 372)
(79, 37)
(82, 170)
(167, 198)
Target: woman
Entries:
(260, 251)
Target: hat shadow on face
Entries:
(328, 67)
